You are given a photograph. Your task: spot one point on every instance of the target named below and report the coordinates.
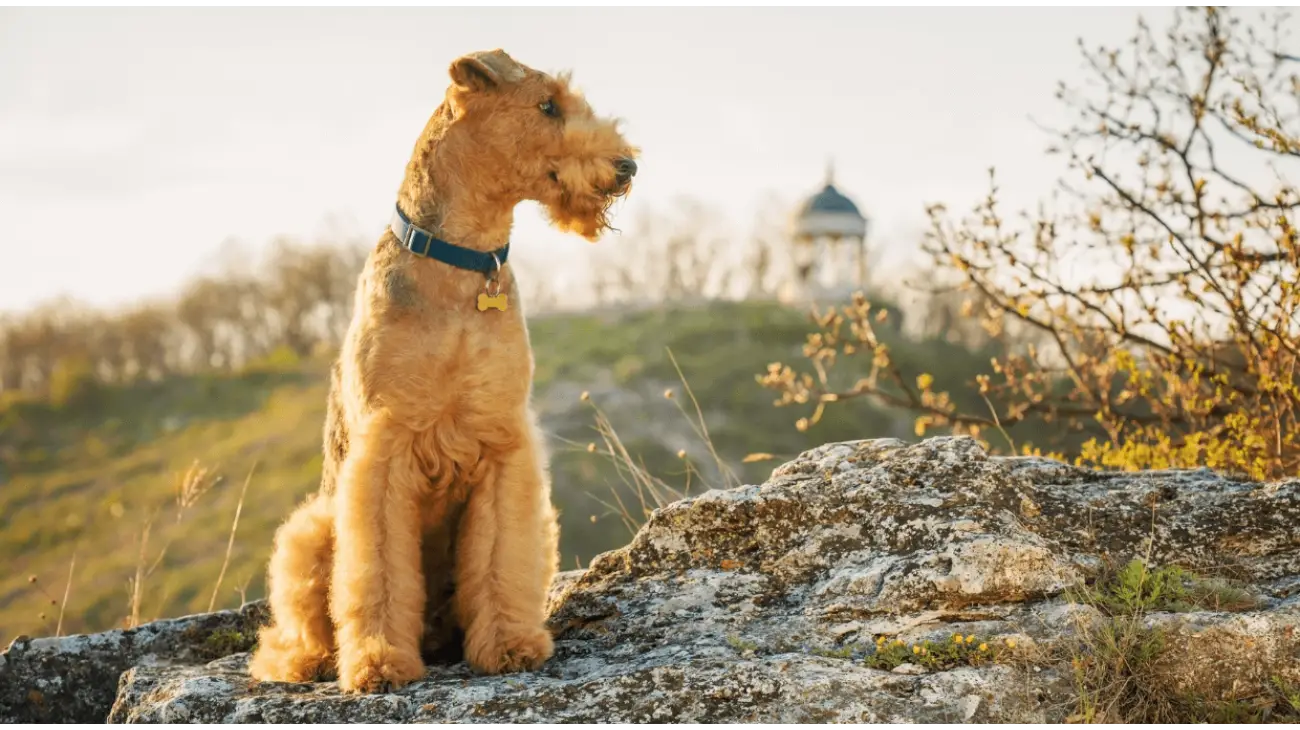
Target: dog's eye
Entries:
(549, 108)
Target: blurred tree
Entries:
(105, 349)
(1165, 288)
(300, 298)
(10, 363)
(299, 283)
(200, 312)
(147, 331)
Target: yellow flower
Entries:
(984, 647)
(916, 649)
(898, 642)
(1011, 643)
(970, 639)
(956, 638)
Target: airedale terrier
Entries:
(433, 522)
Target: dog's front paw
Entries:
(506, 654)
(377, 666)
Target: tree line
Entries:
(297, 299)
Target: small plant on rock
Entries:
(961, 651)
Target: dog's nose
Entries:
(625, 168)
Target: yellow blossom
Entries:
(984, 647)
(1011, 643)
(916, 649)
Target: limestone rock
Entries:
(74, 678)
(762, 603)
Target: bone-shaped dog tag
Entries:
(486, 302)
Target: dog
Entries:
(433, 527)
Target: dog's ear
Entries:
(484, 70)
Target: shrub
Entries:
(1181, 347)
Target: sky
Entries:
(137, 144)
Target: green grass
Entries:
(85, 475)
(1137, 589)
(1120, 663)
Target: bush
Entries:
(1181, 346)
(282, 357)
(72, 382)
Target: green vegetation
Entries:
(741, 645)
(225, 642)
(1120, 662)
(890, 653)
(85, 474)
(962, 651)
(1136, 589)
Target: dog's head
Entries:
(537, 139)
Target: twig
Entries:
(724, 470)
(139, 575)
(998, 422)
(230, 544)
(243, 591)
(67, 591)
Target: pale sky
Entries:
(133, 143)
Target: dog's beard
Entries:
(587, 216)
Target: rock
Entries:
(764, 603)
(782, 688)
(909, 669)
(74, 678)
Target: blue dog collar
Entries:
(421, 242)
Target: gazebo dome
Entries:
(830, 214)
(829, 200)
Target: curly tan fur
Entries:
(434, 523)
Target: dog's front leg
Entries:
(505, 561)
(377, 598)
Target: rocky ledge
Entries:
(808, 598)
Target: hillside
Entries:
(871, 581)
(85, 476)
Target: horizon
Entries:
(295, 122)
